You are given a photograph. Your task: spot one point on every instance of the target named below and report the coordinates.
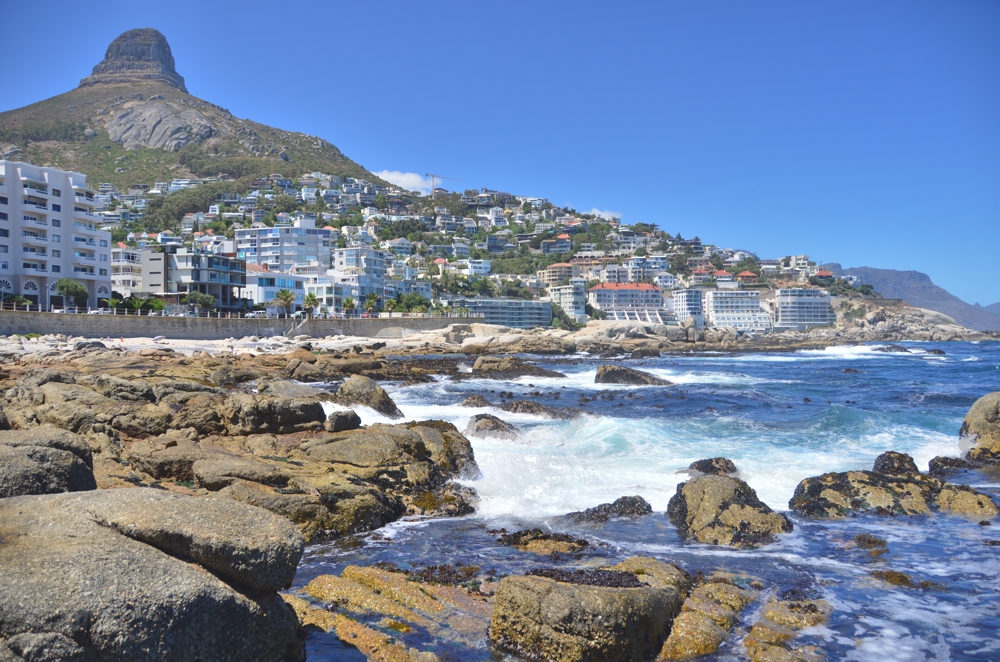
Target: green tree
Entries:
(310, 303)
(371, 303)
(73, 291)
(200, 300)
(285, 299)
(348, 305)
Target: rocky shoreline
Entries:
(156, 506)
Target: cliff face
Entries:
(136, 56)
(918, 290)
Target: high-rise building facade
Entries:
(736, 309)
(48, 231)
(800, 308)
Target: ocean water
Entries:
(780, 417)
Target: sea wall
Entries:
(201, 328)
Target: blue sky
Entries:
(866, 133)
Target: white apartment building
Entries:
(126, 270)
(285, 245)
(736, 309)
(572, 298)
(800, 308)
(48, 231)
(361, 270)
(665, 280)
(687, 303)
(262, 285)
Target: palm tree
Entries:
(310, 303)
(135, 303)
(390, 305)
(371, 303)
(285, 299)
(348, 305)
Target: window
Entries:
(104, 258)
(3, 216)
(56, 207)
(104, 243)
(57, 253)
(3, 200)
(3, 248)
(56, 223)
(5, 265)
(56, 192)
(56, 269)
(4, 233)
(57, 238)
(104, 272)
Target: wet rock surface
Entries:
(716, 466)
(508, 367)
(364, 391)
(616, 374)
(487, 425)
(627, 506)
(982, 428)
(906, 492)
(719, 510)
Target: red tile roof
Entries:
(560, 264)
(746, 273)
(823, 273)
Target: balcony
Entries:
(37, 204)
(32, 190)
(84, 199)
(34, 239)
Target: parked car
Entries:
(100, 311)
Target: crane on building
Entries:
(433, 177)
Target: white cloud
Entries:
(411, 181)
(603, 213)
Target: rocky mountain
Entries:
(133, 121)
(917, 289)
(992, 308)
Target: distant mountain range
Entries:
(133, 121)
(917, 289)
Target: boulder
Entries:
(216, 473)
(895, 464)
(476, 401)
(716, 466)
(616, 374)
(528, 407)
(339, 421)
(904, 492)
(981, 427)
(539, 618)
(42, 470)
(141, 574)
(49, 438)
(626, 506)
(287, 388)
(719, 510)
(508, 367)
(518, 343)
(245, 414)
(487, 425)
(365, 392)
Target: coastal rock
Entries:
(476, 401)
(508, 367)
(626, 506)
(42, 470)
(249, 414)
(487, 425)
(655, 573)
(542, 619)
(720, 510)
(521, 343)
(708, 614)
(339, 421)
(940, 467)
(716, 466)
(49, 437)
(217, 473)
(908, 492)
(982, 427)
(121, 574)
(616, 374)
(365, 392)
(528, 407)
(287, 388)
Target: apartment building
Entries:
(571, 298)
(330, 294)
(262, 285)
(361, 270)
(48, 231)
(736, 309)
(617, 296)
(687, 304)
(557, 273)
(515, 313)
(285, 245)
(173, 271)
(800, 308)
(126, 269)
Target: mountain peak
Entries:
(136, 56)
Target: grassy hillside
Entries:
(70, 131)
